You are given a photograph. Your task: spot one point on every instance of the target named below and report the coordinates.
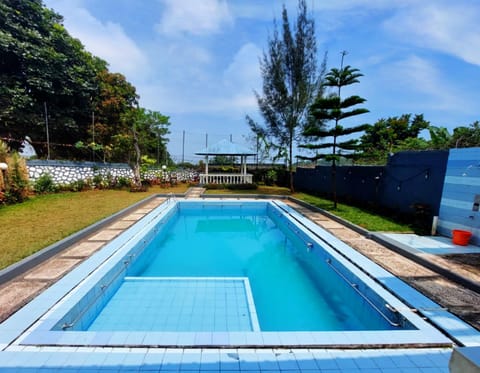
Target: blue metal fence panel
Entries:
(409, 179)
(462, 185)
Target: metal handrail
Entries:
(355, 287)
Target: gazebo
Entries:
(227, 148)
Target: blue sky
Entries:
(197, 60)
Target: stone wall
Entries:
(66, 172)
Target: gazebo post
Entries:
(206, 169)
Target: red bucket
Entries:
(460, 237)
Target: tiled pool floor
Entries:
(179, 304)
(15, 357)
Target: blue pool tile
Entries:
(172, 361)
(237, 338)
(102, 338)
(191, 360)
(248, 361)
(267, 361)
(399, 361)
(271, 339)
(286, 360)
(133, 360)
(386, 362)
(305, 361)
(325, 361)
(210, 360)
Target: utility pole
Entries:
(183, 146)
(158, 146)
(46, 126)
(93, 136)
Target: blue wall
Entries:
(462, 183)
(413, 178)
(408, 178)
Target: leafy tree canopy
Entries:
(42, 66)
(47, 76)
(388, 135)
(466, 137)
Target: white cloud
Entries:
(244, 70)
(194, 17)
(240, 79)
(444, 26)
(419, 85)
(105, 40)
(186, 86)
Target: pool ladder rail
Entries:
(310, 246)
(171, 197)
(373, 305)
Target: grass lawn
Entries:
(42, 220)
(361, 217)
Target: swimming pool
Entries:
(230, 273)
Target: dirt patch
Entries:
(16, 294)
(469, 262)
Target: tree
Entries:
(387, 135)
(334, 108)
(116, 97)
(42, 66)
(466, 137)
(440, 138)
(142, 127)
(291, 81)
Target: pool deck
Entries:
(17, 292)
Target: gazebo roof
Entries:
(225, 147)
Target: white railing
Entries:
(226, 178)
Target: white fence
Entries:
(226, 178)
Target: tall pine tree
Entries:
(291, 82)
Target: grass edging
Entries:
(352, 226)
(42, 255)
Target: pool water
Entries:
(168, 288)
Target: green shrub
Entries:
(245, 186)
(215, 186)
(270, 177)
(79, 185)
(98, 182)
(123, 182)
(44, 184)
(17, 179)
